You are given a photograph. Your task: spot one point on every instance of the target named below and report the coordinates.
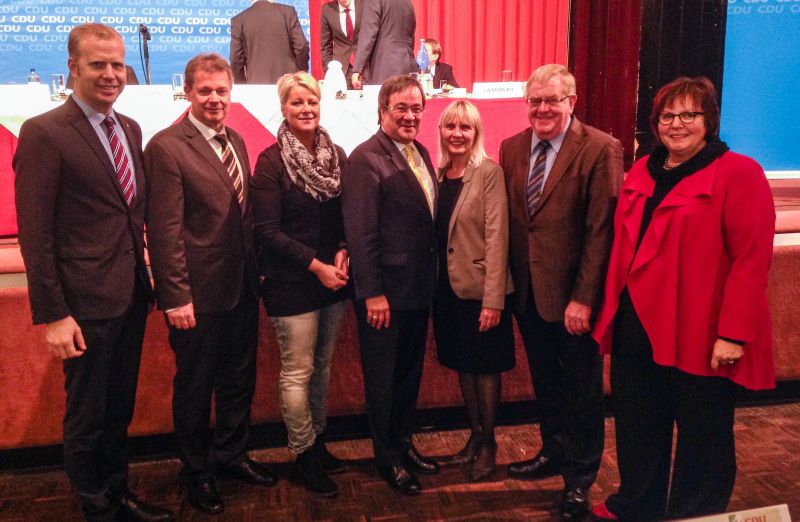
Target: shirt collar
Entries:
(94, 117)
(207, 132)
(556, 142)
(352, 6)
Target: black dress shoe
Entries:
(574, 504)
(400, 479)
(536, 468)
(309, 464)
(484, 464)
(469, 452)
(204, 497)
(416, 462)
(135, 509)
(249, 471)
(331, 464)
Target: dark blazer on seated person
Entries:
(477, 238)
(444, 72)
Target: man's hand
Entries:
(64, 338)
(378, 311)
(182, 317)
(576, 318)
(489, 318)
(356, 79)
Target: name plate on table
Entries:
(765, 514)
(488, 90)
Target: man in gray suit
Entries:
(385, 42)
(266, 43)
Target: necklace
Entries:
(667, 166)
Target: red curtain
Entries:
(481, 38)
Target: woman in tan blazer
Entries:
(471, 321)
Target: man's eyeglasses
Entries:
(665, 118)
(401, 110)
(551, 102)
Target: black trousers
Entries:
(218, 356)
(101, 391)
(567, 375)
(392, 359)
(649, 401)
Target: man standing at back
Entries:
(266, 43)
(340, 23)
(80, 208)
(389, 203)
(385, 42)
(200, 235)
(562, 178)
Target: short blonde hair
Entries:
(81, 32)
(543, 74)
(464, 112)
(289, 81)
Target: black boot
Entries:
(313, 473)
(330, 463)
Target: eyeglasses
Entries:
(551, 102)
(401, 110)
(665, 118)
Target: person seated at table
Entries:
(440, 70)
(685, 317)
(299, 235)
(471, 319)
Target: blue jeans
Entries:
(306, 343)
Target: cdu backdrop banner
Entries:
(33, 33)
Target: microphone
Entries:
(145, 32)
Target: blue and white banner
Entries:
(33, 33)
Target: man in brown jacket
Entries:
(562, 179)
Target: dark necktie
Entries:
(230, 166)
(121, 164)
(351, 33)
(536, 176)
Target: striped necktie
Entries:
(536, 176)
(121, 164)
(230, 166)
(409, 150)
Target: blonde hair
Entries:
(464, 112)
(543, 74)
(289, 81)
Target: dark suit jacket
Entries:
(444, 72)
(334, 42)
(291, 229)
(266, 43)
(82, 245)
(386, 40)
(562, 253)
(388, 225)
(199, 238)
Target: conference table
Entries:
(255, 113)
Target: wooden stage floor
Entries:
(768, 449)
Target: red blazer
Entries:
(701, 269)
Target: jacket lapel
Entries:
(572, 143)
(466, 181)
(201, 145)
(134, 145)
(520, 167)
(401, 164)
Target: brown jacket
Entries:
(477, 239)
(562, 252)
(200, 239)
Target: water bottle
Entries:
(33, 78)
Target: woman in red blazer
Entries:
(685, 315)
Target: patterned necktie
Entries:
(121, 164)
(409, 150)
(230, 166)
(536, 176)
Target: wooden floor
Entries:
(768, 448)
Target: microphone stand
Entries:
(145, 32)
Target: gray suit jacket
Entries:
(386, 40)
(334, 42)
(266, 43)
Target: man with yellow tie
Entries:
(389, 197)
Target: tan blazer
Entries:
(563, 251)
(477, 238)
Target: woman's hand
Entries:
(330, 276)
(489, 318)
(725, 353)
(342, 260)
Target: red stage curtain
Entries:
(481, 38)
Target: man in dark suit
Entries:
(266, 43)
(200, 236)
(340, 23)
(385, 42)
(80, 208)
(562, 179)
(389, 203)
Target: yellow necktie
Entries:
(409, 150)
